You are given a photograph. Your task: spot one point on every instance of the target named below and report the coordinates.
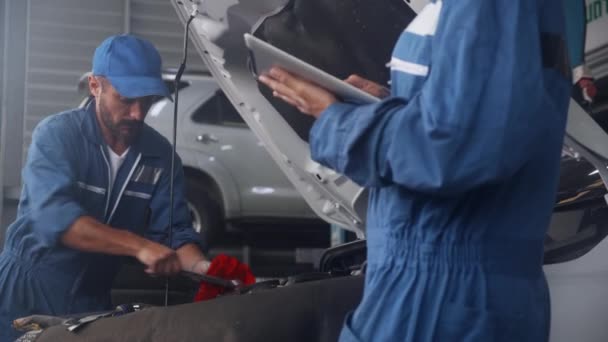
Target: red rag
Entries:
(225, 267)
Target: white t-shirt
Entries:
(115, 162)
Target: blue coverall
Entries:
(67, 176)
(462, 162)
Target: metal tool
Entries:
(232, 284)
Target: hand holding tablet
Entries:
(264, 56)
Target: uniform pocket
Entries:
(465, 324)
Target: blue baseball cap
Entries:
(132, 65)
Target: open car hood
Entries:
(341, 38)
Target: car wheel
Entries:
(206, 213)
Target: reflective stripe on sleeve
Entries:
(137, 194)
(92, 188)
(408, 67)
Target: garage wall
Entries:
(597, 37)
(63, 36)
(2, 52)
(157, 21)
(14, 33)
(598, 62)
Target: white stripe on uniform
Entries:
(408, 67)
(137, 194)
(95, 189)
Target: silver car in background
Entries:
(230, 177)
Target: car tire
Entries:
(206, 213)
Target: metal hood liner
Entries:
(340, 37)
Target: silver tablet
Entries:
(264, 56)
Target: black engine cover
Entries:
(312, 311)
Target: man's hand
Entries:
(200, 267)
(368, 86)
(158, 259)
(88, 234)
(192, 259)
(309, 98)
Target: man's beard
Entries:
(117, 129)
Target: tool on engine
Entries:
(230, 284)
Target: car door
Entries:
(215, 127)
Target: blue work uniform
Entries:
(66, 176)
(462, 163)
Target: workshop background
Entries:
(47, 46)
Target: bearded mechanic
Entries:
(96, 188)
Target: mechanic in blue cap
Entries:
(95, 189)
(576, 33)
(462, 161)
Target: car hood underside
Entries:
(340, 37)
